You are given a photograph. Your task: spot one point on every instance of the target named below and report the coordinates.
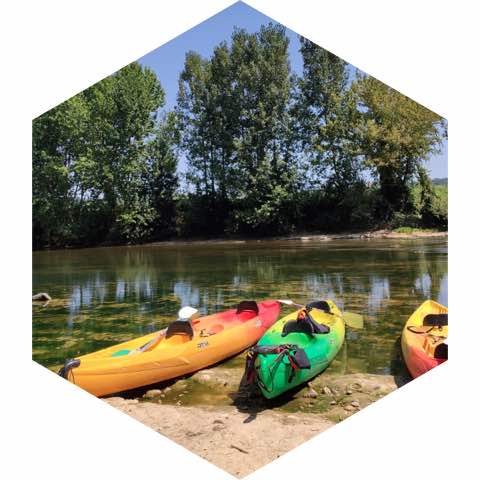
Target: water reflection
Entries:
(187, 294)
(111, 294)
(378, 295)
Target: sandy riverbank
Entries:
(374, 234)
(240, 431)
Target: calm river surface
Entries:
(103, 296)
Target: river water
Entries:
(103, 296)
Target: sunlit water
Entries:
(103, 296)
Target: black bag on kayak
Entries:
(301, 359)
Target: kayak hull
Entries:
(125, 367)
(275, 377)
(414, 346)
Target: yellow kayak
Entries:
(424, 338)
(183, 347)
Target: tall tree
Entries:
(57, 144)
(91, 156)
(233, 111)
(326, 113)
(263, 152)
(160, 177)
(397, 135)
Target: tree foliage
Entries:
(234, 117)
(327, 116)
(266, 151)
(397, 135)
(91, 159)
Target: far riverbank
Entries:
(305, 237)
(315, 236)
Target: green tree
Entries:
(95, 159)
(266, 168)
(160, 177)
(396, 136)
(57, 144)
(233, 111)
(327, 115)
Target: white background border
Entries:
(54, 49)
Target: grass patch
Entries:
(410, 230)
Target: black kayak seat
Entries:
(293, 326)
(319, 305)
(435, 320)
(247, 306)
(180, 327)
(441, 351)
(308, 326)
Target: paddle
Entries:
(353, 320)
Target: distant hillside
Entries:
(440, 181)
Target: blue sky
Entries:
(167, 61)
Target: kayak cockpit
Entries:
(185, 329)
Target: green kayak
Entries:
(296, 348)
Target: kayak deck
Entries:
(275, 376)
(156, 357)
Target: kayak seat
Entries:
(319, 305)
(180, 327)
(308, 327)
(435, 320)
(441, 351)
(247, 306)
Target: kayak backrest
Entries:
(180, 327)
(294, 326)
(247, 306)
(319, 305)
(435, 320)
(308, 326)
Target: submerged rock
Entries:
(152, 393)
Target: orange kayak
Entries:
(425, 338)
(182, 348)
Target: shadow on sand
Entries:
(248, 399)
